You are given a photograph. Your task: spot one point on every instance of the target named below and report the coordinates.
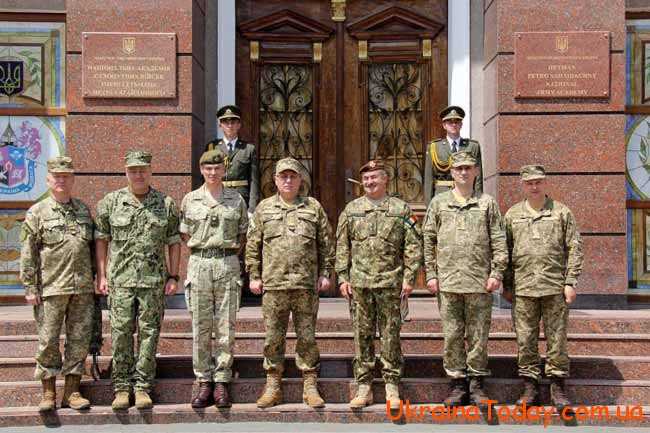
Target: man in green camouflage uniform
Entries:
(465, 255)
(289, 256)
(545, 262)
(378, 254)
(437, 177)
(56, 271)
(139, 222)
(213, 225)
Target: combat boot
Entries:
(121, 400)
(530, 396)
(363, 397)
(457, 393)
(392, 395)
(72, 398)
(272, 390)
(477, 392)
(558, 393)
(310, 395)
(142, 400)
(48, 402)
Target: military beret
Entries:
(288, 164)
(229, 112)
(215, 156)
(60, 164)
(459, 159)
(137, 158)
(531, 172)
(372, 165)
(452, 112)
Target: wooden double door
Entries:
(335, 83)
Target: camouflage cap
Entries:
(215, 156)
(532, 172)
(372, 165)
(288, 164)
(460, 159)
(452, 112)
(137, 158)
(229, 112)
(60, 164)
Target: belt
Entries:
(208, 253)
(235, 183)
(448, 183)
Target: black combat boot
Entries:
(457, 393)
(530, 396)
(558, 394)
(477, 394)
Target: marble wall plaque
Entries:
(129, 65)
(562, 65)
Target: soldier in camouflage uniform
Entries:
(437, 177)
(378, 254)
(545, 262)
(465, 255)
(289, 256)
(56, 271)
(139, 222)
(213, 225)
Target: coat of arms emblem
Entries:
(128, 45)
(561, 44)
(11, 77)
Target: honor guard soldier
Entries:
(241, 164)
(213, 225)
(378, 254)
(57, 273)
(465, 255)
(545, 262)
(140, 223)
(437, 175)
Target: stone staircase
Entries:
(609, 351)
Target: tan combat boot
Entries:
(310, 395)
(363, 397)
(142, 400)
(48, 402)
(72, 398)
(121, 401)
(272, 390)
(392, 395)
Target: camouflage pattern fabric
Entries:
(374, 306)
(289, 246)
(302, 304)
(545, 249)
(77, 312)
(526, 314)
(138, 233)
(135, 370)
(464, 243)
(56, 249)
(378, 245)
(465, 315)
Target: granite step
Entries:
(340, 366)
(180, 343)
(298, 412)
(340, 390)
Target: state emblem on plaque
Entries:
(128, 45)
(561, 43)
(11, 77)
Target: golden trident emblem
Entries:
(561, 44)
(128, 45)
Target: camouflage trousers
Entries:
(303, 306)
(77, 312)
(213, 297)
(465, 316)
(526, 314)
(377, 308)
(131, 367)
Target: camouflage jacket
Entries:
(443, 152)
(56, 257)
(545, 249)
(289, 247)
(377, 245)
(213, 223)
(241, 165)
(464, 244)
(138, 233)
